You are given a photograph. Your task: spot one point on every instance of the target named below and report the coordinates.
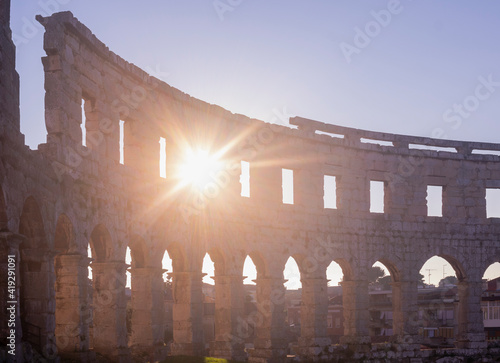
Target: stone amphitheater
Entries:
(58, 200)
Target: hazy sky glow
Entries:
(422, 68)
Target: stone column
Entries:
(9, 293)
(38, 299)
(187, 314)
(313, 316)
(356, 315)
(230, 332)
(470, 318)
(269, 322)
(72, 331)
(405, 313)
(265, 184)
(147, 309)
(110, 305)
(309, 181)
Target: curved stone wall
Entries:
(63, 197)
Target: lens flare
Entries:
(198, 168)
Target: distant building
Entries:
(490, 305)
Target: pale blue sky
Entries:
(409, 74)
(270, 55)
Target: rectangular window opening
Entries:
(287, 185)
(376, 142)
(376, 196)
(492, 203)
(331, 134)
(83, 124)
(245, 179)
(122, 136)
(163, 157)
(485, 152)
(434, 201)
(330, 192)
(432, 148)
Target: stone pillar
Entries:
(10, 322)
(309, 183)
(405, 313)
(5, 12)
(187, 313)
(470, 318)
(72, 330)
(230, 332)
(38, 300)
(270, 343)
(313, 317)
(110, 305)
(356, 315)
(9, 88)
(265, 184)
(147, 310)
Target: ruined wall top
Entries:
(81, 69)
(5, 13)
(56, 44)
(9, 87)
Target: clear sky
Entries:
(422, 68)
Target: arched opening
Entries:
(167, 266)
(129, 292)
(293, 298)
(334, 274)
(128, 261)
(249, 274)
(37, 271)
(209, 270)
(438, 272)
(209, 289)
(490, 301)
(439, 302)
(335, 315)
(492, 272)
(90, 297)
(89, 255)
(381, 301)
(291, 273)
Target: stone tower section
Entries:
(9, 79)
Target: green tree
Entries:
(448, 280)
(375, 273)
(385, 282)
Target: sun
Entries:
(198, 168)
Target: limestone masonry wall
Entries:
(57, 200)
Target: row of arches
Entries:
(96, 311)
